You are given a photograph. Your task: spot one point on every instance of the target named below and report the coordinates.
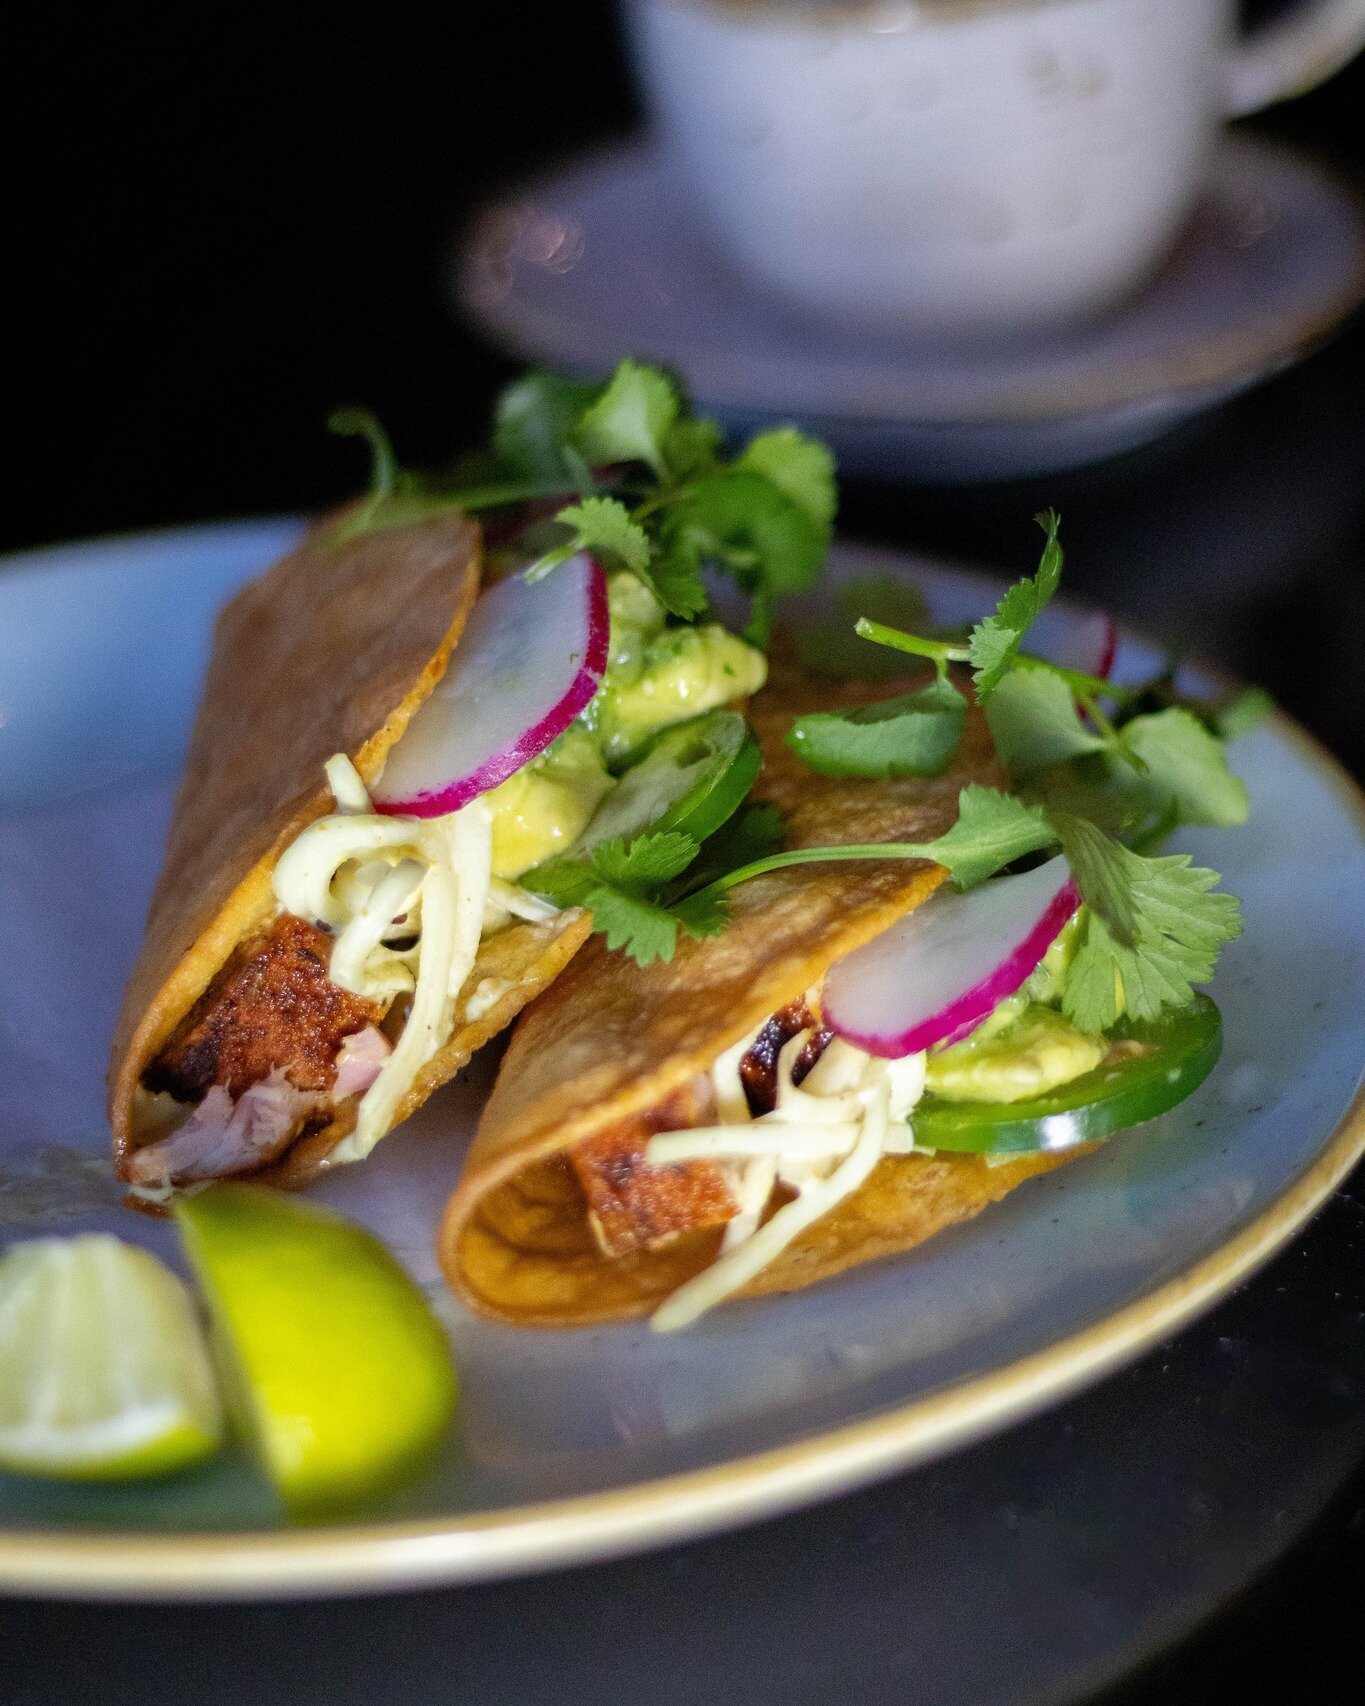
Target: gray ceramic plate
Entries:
(606, 258)
(577, 1445)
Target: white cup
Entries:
(960, 166)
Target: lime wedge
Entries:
(334, 1366)
(104, 1372)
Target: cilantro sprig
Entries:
(395, 496)
(645, 484)
(629, 887)
(994, 644)
(916, 736)
(1153, 926)
(1104, 773)
(676, 505)
(643, 892)
(1141, 758)
(1152, 929)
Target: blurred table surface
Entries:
(1196, 1520)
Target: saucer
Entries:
(606, 257)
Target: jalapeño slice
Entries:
(1153, 1064)
(693, 778)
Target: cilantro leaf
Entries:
(1101, 878)
(704, 913)
(1146, 952)
(534, 419)
(836, 650)
(691, 447)
(623, 886)
(1034, 722)
(1185, 776)
(911, 735)
(764, 519)
(603, 527)
(631, 418)
(646, 863)
(1243, 712)
(674, 576)
(1084, 789)
(565, 880)
(995, 643)
(647, 932)
(647, 929)
(992, 831)
(801, 468)
(739, 520)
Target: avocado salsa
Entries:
(658, 677)
(1027, 1079)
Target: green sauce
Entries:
(657, 677)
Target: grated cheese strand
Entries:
(731, 1103)
(353, 963)
(751, 1187)
(306, 869)
(360, 874)
(453, 893)
(470, 840)
(518, 902)
(813, 1142)
(734, 1268)
(349, 792)
(822, 1139)
(424, 1027)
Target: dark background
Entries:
(223, 221)
(226, 220)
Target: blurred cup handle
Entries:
(1295, 53)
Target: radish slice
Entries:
(1096, 645)
(1109, 651)
(530, 659)
(1090, 643)
(937, 974)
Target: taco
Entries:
(338, 924)
(664, 1137)
(558, 1219)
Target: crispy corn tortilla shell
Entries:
(332, 650)
(523, 959)
(611, 1039)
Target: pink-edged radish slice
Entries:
(937, 974)
(531, 657)
(1089, 643)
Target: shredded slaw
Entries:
(407, 899)
(821, 1140)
